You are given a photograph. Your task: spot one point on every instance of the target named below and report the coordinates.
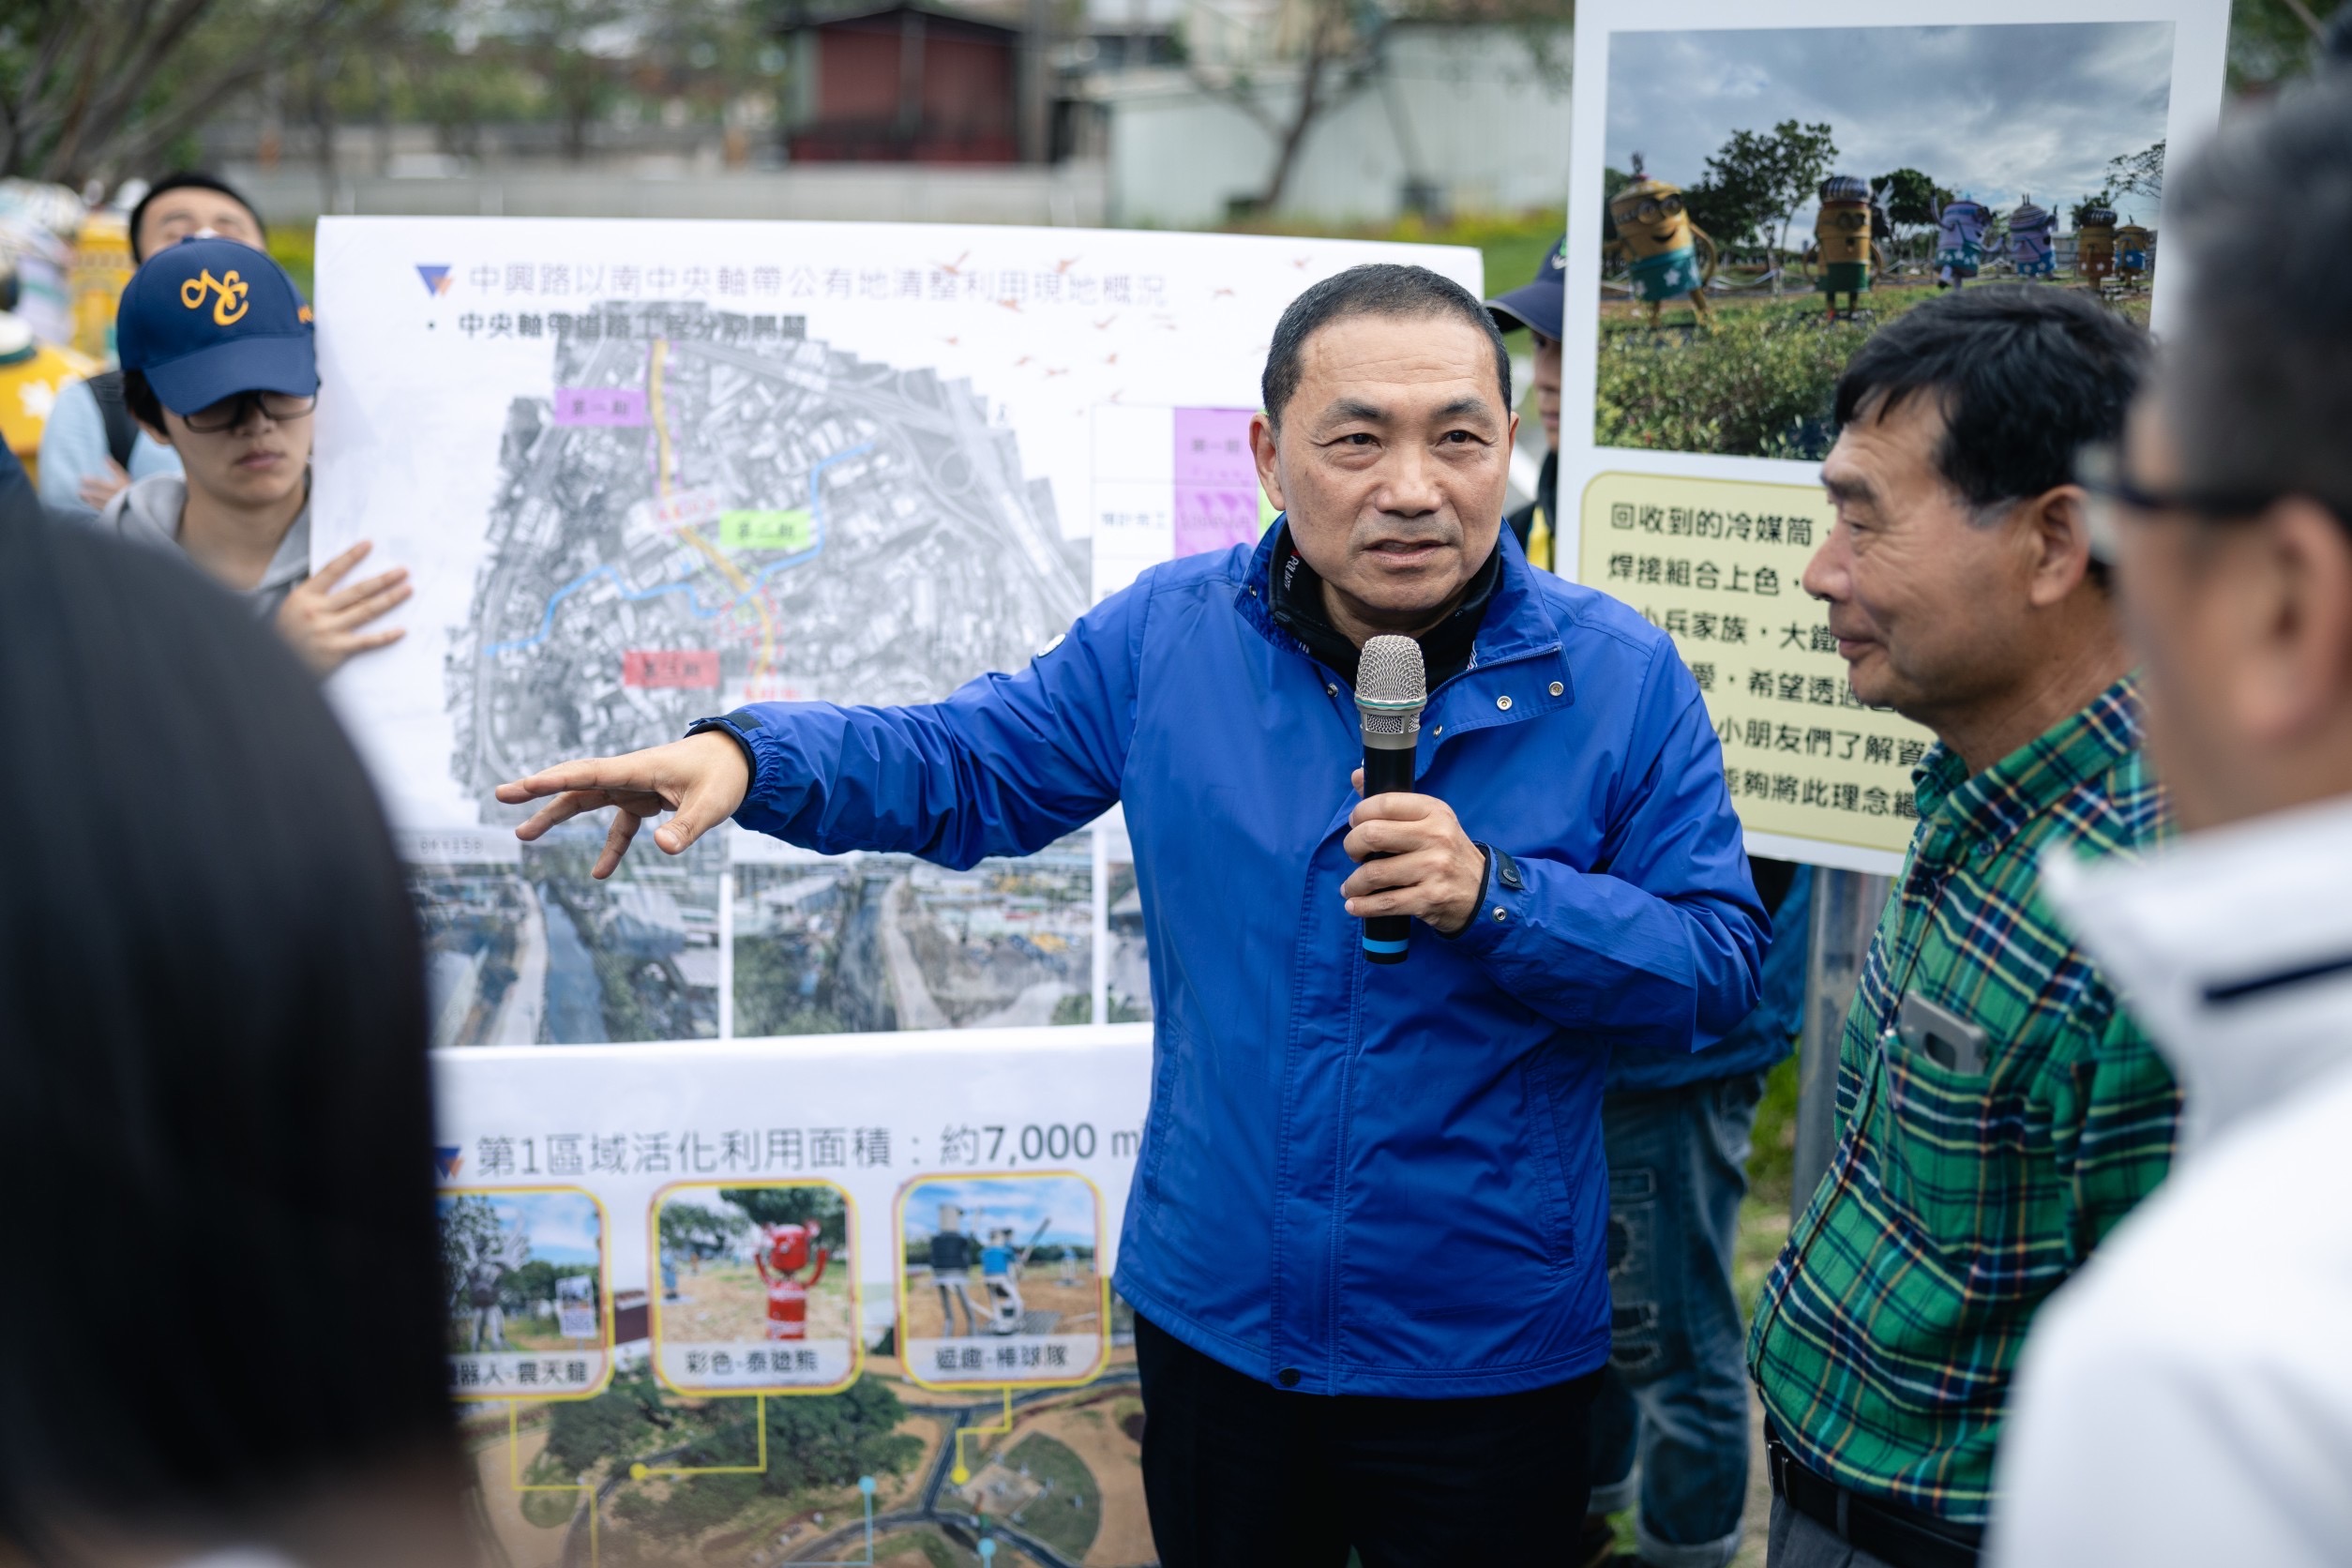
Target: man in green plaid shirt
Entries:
(1997, 1111)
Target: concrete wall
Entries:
(1067, 195)
(1466, 111)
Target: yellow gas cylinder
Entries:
(101, 265)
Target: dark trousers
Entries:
(1239, 1474)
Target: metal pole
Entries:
(1845, 908)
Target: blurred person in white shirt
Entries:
(2188, 1398)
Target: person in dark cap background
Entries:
(1535, 308)
(219, 364)
(1674, 1397)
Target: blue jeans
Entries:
(1675, 1397)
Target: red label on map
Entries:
(670, 666)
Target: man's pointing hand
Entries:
(702, 778)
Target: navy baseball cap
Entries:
(208, 318)
(1540, 303)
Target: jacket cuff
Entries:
(1502, 904)
(739, 727)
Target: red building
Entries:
(909, 83)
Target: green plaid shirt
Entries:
(1955, 1203)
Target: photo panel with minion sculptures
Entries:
(756, 1288)
(1753, 194)
(530, 1314)
(1771, 196)
(999, 1280)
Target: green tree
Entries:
(2272, 41)
(691, 1227)
(627, 1419)
(1911, 200)
(1728, 206)
(812, 1205)
(818, 1440)
(1776, 174)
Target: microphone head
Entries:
(1392, 686)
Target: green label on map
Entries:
(785, 531)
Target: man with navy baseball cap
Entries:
(1670, 1422)
(1535, 307)
(219, 364)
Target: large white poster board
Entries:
(643, 472)
(1690, 444)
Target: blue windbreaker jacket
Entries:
(1768, 1034)
(1354, 1179)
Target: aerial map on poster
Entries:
(643, 472)
(778, 1217)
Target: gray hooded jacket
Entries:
(149, 513)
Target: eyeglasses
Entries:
(2108, 492)
(1654, 207)
(229, 413)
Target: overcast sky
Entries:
(1993, 112)
(1022, 1202)
(561, 1226)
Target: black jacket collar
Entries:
(1295, 596)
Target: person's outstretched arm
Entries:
(1005, 765)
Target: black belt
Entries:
(1895, 1534)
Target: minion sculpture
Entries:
(2094, 245)
(2029, 248)
(1960, 241)
(2132, 245)
(1670, 256)
(1841, 236)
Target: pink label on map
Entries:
(600, 405)
(1217, 480)
(1213, 447)
(1213, 519)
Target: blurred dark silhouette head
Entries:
(2259, 393)
(221, 1321)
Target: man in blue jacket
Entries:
(1364, 1241)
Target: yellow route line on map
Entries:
(962, 1472)
(587, 1488)
(640, 1471)
(694, 535)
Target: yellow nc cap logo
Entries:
(230, 308)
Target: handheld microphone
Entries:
(1392, 688)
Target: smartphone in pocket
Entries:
(1943, 1036)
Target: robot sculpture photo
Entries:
(2132, 246)
(1670, 257)
(779, 1264)
(2030, 250)
(1841, 238)
(2094, 245)
(1960, 241)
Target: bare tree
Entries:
(1329, 45)
(2139, 173)
(101, 87)
(1336, 46)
